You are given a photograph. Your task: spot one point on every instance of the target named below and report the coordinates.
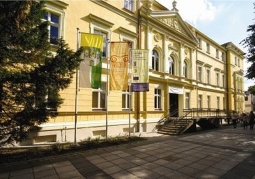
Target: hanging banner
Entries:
(91, 66)
(140, 71)
(119, 66)
(175, 90)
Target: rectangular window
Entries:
(222, 56)
(126, 96)
(187, 106)
(157, 99)
(128, 4)
(199, 43)
(208, 102)
(105, 35)
(238, 62)
(217, 53)
(224, 103)
(54, 26)
(199, 103)
(207, 47)
(207, 76)
(235, 60)
(217, 79)
(218, 102)
(223, 81)
(199, 74)
(99, 97)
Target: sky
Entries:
(221, 20)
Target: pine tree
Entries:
(31, 77)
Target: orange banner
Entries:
(119, 65)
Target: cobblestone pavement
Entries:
(224, 153)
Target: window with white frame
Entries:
(54, 26)
(157, 99)
(171, 66)
(235, 60)
(128, 4)
(207, 76)
(199, 73)
(217, 53)
(238, 62)
(223, 81)
(187, 100)
(218, 102)
(185, 70)
(155, 60)
(105, 37)
(217, 79)
(207, 47)
(224, 103)
(199, 102)
(222, 56)
(126, 96)
(99, 97)
(199, 43)
(208, 102)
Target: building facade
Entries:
(187, 69)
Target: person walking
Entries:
(234, 118)
(245, 119)
(251, 119)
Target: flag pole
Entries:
(130, 93)
(107, 91)
(76, 94)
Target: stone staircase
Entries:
(175, 127)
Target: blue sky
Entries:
(221, 20)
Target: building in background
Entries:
(249, 101)
(187, 69)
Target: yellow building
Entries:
(187, 69)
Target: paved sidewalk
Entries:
(224, 153)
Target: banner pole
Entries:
(76, 95)
(107, 91)
(130, 92)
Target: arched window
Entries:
(155, 60)
(185, 70)
(171, 66)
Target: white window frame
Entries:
(200, 101)
(208, 102)
(217, 79)
(199, 73)
(157, 98)
(129, 5)
(223, 81)
(207, 47)
(218, 102)
(105, 43)
(101, 93)
(217, 53)
(155, 60)
(187, 100)
(207, 76)
(126, 100)
(185, 69)
(199, 43)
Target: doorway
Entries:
(173, 104)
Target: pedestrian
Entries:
(234, 118)
(245, 119)
(251, 119)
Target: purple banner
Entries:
(139, 87)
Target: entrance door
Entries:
(173, 100)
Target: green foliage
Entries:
(249, 43)
(251, 89)
(29, 71)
